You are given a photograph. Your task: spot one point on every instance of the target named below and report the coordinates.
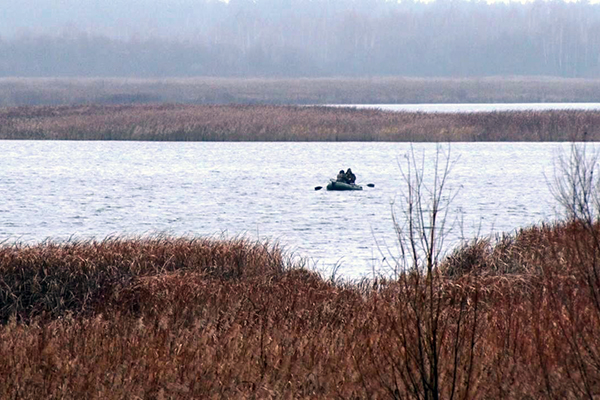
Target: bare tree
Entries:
(426, 201)
(576, 186)
(434, 319)
(576, 183)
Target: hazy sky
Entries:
(298, 38)
(116, 18)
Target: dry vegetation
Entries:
(287, 123)
(378, 90)
(189, 318)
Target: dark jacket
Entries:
(350, 177)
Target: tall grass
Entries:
(52, 280)
(186, 318)
(288, 123)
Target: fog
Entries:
(298, 38)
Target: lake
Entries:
(477, 107)
(263, 191)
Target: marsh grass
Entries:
(169, 122)
(185, 318)
(52, 279)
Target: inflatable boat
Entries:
(335, 185)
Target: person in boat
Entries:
(341, 176)
(350, 177)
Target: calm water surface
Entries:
(478, 107)
(265, 191)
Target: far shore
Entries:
(280, 91)
(180, 122)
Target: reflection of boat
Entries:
(335, 185)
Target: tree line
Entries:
(324, 38)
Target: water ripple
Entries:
(261, 190)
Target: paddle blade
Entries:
(370, 184)
(318, 187)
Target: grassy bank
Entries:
(62, 91)
(195, 318)
(288, 123)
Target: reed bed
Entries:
(376, 90)
(289, 123)
(54, 279)
(517, 317)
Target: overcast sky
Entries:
(152, 38)
(120, 19)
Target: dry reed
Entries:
(200, 318)
(289, 123)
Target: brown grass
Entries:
(288, 123)
(195, 318)
(55, 279)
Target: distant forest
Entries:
(321, 38)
